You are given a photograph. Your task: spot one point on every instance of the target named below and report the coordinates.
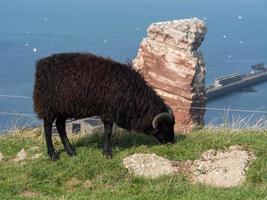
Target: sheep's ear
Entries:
(162, 117)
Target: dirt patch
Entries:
(30, 194)
(73, 182)
(87, 184)
(222, 168)
(1, 157)
(217, 168)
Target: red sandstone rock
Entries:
(169, 60)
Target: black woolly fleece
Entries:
(80, 85)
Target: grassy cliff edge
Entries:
(89, 175)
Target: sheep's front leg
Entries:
(107, 150)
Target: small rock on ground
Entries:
(216, 168)
(148, 165)
(22, 155)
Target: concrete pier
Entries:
(246, 81)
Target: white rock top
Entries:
(181, 23)
(176, 32)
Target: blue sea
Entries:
(32, 29)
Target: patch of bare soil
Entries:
(29, 194)
(87, 184)
(1, 156)
(222, 168)
(73, 182)
(216, 168)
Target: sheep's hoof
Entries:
(54, 156)
(108, 154)
(71, 152)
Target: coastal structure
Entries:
(86, 126)
(170, 61)
(230, 83)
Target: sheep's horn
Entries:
(161, 117)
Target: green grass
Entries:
(91, 176)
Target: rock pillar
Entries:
(170, 61)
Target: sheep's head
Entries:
(163, 123)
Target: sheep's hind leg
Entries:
(60, 124)
(107, 150)
(48, 137)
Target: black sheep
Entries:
(80, 85)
